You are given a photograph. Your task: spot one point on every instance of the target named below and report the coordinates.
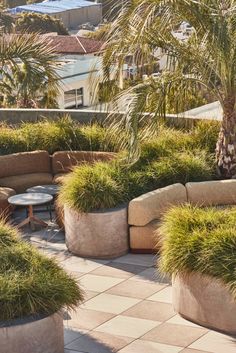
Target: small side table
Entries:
(29, 200)
(51, 189)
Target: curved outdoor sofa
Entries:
(20, 171)
(198, 298)
(145, 211)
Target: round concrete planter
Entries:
(27, 336)
(99, 234)
(205, 301)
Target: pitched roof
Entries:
(74, 44)
(52, 6)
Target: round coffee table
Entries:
(44, 189)
(29, 200)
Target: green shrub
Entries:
(11, 141)
(200, 240)
(93, 187)
(163, 144)
(205, 135)
(30, 283)
(181, 167)
(59, 135)
(52, 136)
(95, 137)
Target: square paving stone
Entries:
(151, 275)
(137, 259)
(164, 296)
(80, 265)
(110, 303)
(98, 283)
(89, 294)
(189, 350)
(135, 289)
(127, 326)
(177, 335)
(215, 342)
(71, 334)
(139, 346)
(118, 270)
(177, 319)
(151, 311)
(99, 342)
(87, 319)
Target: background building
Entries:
(76, 82)
(71, 12)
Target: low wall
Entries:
(85, 116)
(16, 116)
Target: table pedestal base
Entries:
(31, 219)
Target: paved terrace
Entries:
(127, 306)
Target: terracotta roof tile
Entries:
(75, 44)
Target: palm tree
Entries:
(207, 60)
(28, 70)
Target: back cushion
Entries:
(24, 163)
(212, 193)
(64, 161)
(150, 206)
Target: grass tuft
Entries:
(93, 187)
(30, 283)
(200, 240)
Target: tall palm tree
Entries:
(207, 60)
(28, 69)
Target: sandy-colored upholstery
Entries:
(22, 182)
(5, 207)
(24, 163)
(143, 239)
(151, 206)
(58, 178)
(212, 193)
(64, 161)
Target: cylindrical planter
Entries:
(27, 336)
(205, 301)
(101, 235)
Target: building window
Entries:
(73, 98)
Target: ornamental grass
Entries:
(31, 284)
(202, 240)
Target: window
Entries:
(73, 98)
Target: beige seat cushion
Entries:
(58, 178)
(64, 161)
(5, 207)
(24, 163)
(22, 182)
(212, 193)
(145, 239)
(150, 206)
(5, 193)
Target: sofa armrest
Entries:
(150, 206)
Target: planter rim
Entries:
(186, 274)
(102, 210)
(25, 320)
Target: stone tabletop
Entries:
(30, 199)
(44, 189)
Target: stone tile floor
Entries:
(127, 306)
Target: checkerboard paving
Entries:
(127, 306)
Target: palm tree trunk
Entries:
(226, 144)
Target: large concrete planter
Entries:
(98, 234)
(40, 336)
(205, 301)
